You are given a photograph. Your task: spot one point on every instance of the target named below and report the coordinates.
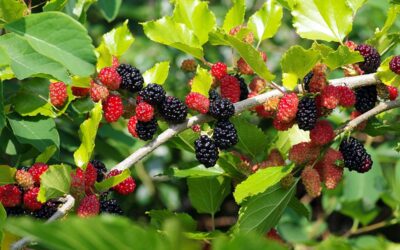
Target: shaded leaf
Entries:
(246, 241)
(109, 8)
(158, 218)
(299, 208)
(3, 122)
(46, 155)
(7, 174)
(55, 5)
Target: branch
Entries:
(351, 82)
(69, 203)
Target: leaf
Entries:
(37, 131)
(260, 181)
(55, 5)
(157, 74)
(7, 174)
(266, 21)
(3, 122)
(47, 32)
(109, 8)
(248, 242)
(286, 139)
(199, 171)
(386, 75)
(342, 56)
(104, 57)
(11, 10)
(260, 213)
(158, 218)
(235, 15)
(196, 16)
(299, 208)
(78, 8)
(230, 164)
(355, 4)
(46, 155)
(356, 210)
(296, 63)
(333, 242)
(55, 182)
(99, 232)
(87, 134)
(3, 217)
(202, 81)
(392, 14)
(288, 4)
(252, 141)
(176, 35)
(118, 40)
(112, 181)
(207, 193)
(27, 62)
(37, 92)
(328, 20)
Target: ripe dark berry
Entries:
(46, 211)
(225, 134)
(100, 168)
(15, 211)
(58, 94)
(113, 108)
(244, 91)
(355, 156)
(221, 109)
(394, 64)
(10, 195)
(219, 70)
(366, 98)
(146, 130)
(111, 207)
(206, 151)
(306, 116)
(213, 95)
(307, 80)
(132, 79)
(173, 110)
(372, 59)
(153, 94)
(110, 78)
(125, 187)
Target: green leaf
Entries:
(3, 217)
(299, 208)
(157, 74)
(112, 181)
(286, 139)
(323, 49)
(230, 164)
(46, 155)
(173, 34)
(109, 8)
(248, 242)
(342, 56)
(184, 140)
(47, 32)
(11, 10)
(99, 232)
(196, 16)
(386, 75)
(199, 171)
(252, 141)
(288, 4)
(87, 134)
(7, 174)
(118, 40)
(158, 218)
(355, 4)
(207, 193)
(27, 62)
(37, 131)
(55, 182)
(235, 15)
(260, 213)
(356, 210)
(334, 243)
(104, 57)
(3, 122)
(328, 20)
(37, 91)
(78, 8)
(296, 63)
(266, 21)
(202, 81)
(392, 14)
(55, 5)
(260, 181)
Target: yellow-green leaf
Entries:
(7, 174)
(386, 75)
(342, 56)
(157, 74)
(55, 182)
(112, 181)
(202, 81)
(118, 40)
(235, 15)
(266, 21)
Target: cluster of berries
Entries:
(90, 202)
(20, 198)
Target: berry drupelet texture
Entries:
(219, 70)
(100, 168)
(110, 206)
(132, 79)
(244, 90)
(110, 78)
(153, 94)
(287, 108)
(37, 170)
(46, 211)
(10, 195)
(307, 80)
(372, 59)
(146, 130)
(394, 64)
(213, 95)
(225, 134)
(206, 151)
(132, 126)
(173, 110)
(58, 94)
(355, 156)
(125, 187)
(230, 88)
(144, 112)
(221, 109)
(197, 102)
(113, 108)
(366, 98)
(306, 116)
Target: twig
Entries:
(373, 227)
(69, 203)
(351, 82)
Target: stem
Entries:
(375, 226)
